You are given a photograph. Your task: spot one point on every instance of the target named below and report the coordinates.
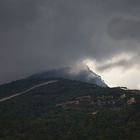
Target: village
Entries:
(98, 102)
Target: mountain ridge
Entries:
(84, 75)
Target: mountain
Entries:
(84, 75)
(68, 109)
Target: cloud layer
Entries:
(121, 28)
(42, 34)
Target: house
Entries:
(103, 97)
(94, 113)
(131, 101)
(123, 96)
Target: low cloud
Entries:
(36, 35)
(125, 64)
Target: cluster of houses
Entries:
(103, 97)
(68, 103)
(104, 100)
(75, 102)
(99, 101)
(131, 101)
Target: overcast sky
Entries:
(36, 35)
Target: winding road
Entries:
(27, 90)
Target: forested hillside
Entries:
(68, 110)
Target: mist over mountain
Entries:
(37, 35)
(84, 75)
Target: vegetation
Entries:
(36, 116)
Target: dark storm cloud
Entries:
(42, 34)
(120, 28)
(17, 12)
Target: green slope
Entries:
(39, 115)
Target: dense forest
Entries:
(68, 110)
